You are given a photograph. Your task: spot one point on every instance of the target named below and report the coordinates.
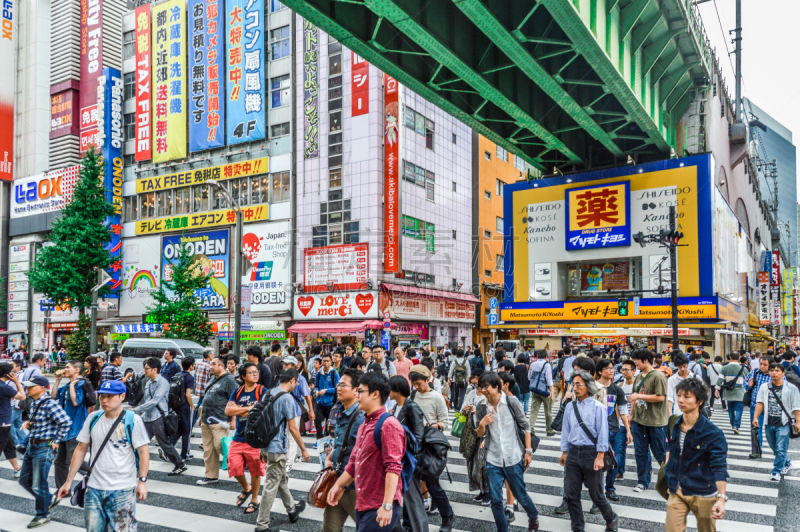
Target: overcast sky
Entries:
(769, 54)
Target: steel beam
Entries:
(643, 31)
(630, 15)
(653, 51)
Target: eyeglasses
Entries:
(342, 385)
(360, 391)
(578, 385)
(252, 373)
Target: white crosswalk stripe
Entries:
(177, 503)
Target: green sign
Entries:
(119, 337)
(429, 233)
(256, 336)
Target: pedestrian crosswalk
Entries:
(178, 503)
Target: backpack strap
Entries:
(259, 391)
(376, 434)
(239, 392)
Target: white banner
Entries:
(336, 306)
(141, 274)
(268, 248)
(347, 267)
(20, 253)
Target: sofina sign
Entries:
(598, 216)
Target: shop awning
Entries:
(337, 326)
(429, 293)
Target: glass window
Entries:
(334, 93)
(280, 91)
(280, 187)
(219, 201)
(454, 186)
(335, 217)
(502, 153)
(164, 207)
(128, 160)
(335, 178)
(487, 194)
(334, 195)
(454, 138)
(501, 261)
(129, 81)
(408, 174)
(519, 163)
(334, 46)
(182, 200)
(419, 124)
(334, 64)
(454, 234)
(499, 228)
(487, 156)
(255, 190)
(487, 234)
(200, 198)
(500, 187)
(336, 121)
(280, 130)
(334, 206)
(429, 129)
(128, 41)
(279, 39)
(408, 118)
(129, 125)
(335, 234)
(429, 186)
(148, 205)
(420, 176)
(487, 273)
(264, 186)
(239, 191)
(277, 5)
(335, 82)
(131, 208)
(335, 104)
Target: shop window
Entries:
(219, 201)
(409, 170)
(280, 130)
(336, 121)
(148, 208)
(281, 185)
(595, 278)
(128, 45)
(164, 206)
(239, 191)
(279, 41)
(200, 198)
(182, 200)
(281, 92)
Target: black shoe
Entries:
(478, 498)
(510, 517)
(594, 510)
(613, 526)
(447, 523)
(179, 470)
(294, 516)
(754, 456)
(612, 496)
(533, 525)
(563, 509)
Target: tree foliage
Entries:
(175, 303)
(77, 343)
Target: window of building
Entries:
(487, 194)
(335, 144)
(408, 117)
(129, 81)
(430, 186)
(454, 235)
(218, 201)
(281, 186)
(487, 156)
(239, 191)
(131, 208)
(500, 187)
(336, 121)
(421, 177)
(279, 40)
(454, 138)
(334, 64)
(429, 131)
(335, 180)
(281, 91)
(501, 262)
(417, 277)
(454, 186)
(519, 163)
(200, 198)
(129, 160)
(277, 5)
(280, 130)
(182, 200)
(502, 154)
(128, 44)
(422, 125)
(129, 125)
(259, 189)
(499, 228)
(164, 203)
(487, 234)
(487, 273)
(148, 207)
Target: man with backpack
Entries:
(181, 402)
(791, 368)
(780, 404)
(378, 468)
(120, 462)
(325, 388)
(540, 377)
(477, 362)
(171, 367)
(111, 370)
(459, 378)
(215, 400)
(379, 359)
(731, 383)
(276, 419)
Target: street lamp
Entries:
(237, 327)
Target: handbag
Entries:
(458, 425)
(79, 493)
(793, 433)
(558, 421)
(225, 444)
(171, 422)
(469, 439)
(318, 493)
(541, 392)
(609, 461)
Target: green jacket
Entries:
(732, 371)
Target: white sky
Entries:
(769, 54)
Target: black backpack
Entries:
(135, 390)
(261, 427)
(177, 392)
(89, 394)
(432, 454)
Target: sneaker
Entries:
(510, 517)
(775, 477)
(447, 523)
(288, 468)
(551, 433)
(294, 515)
(712, 409)
(533, 525)
(787, 469)
(179, 470)
(612, 496)
(754, 456)
(594, 510)
(39, 521)
(54, 502)
(312, 431)
(478, 498)
(426, 503)
(161, 454)
(205, 481)
(189, 456)
(735, 430)
(433, 510)
(563, 509)
(16, 473)
(315, 445)
(620, 476)
(487, 500)
(639, 488)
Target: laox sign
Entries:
(44, 189)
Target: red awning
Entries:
(429, 293)
(337, 326)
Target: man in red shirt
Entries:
(379, 490)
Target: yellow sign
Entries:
(200, 176)
(597, 207)
(169, 80)
(187, 222)
(729, 312)
(607, 310)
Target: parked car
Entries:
(135, 350)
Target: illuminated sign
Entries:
(593, 310)
(598, 216)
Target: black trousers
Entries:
(321, 414)
(458, 391)
(578, 472)
(7, 443)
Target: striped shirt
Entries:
(758, 379)
(110, 373)
(202, 376)
(48, 420)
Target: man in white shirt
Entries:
(540, 376)
(779, 401)
(683, 373)
(755, 362)
(120, 468)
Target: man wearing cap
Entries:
(48, 425)
(302, 394)
(119, 474)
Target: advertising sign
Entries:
(199, 221)
(765, 261)
(211, 252)
(206, 59)
(143, 84)
(359, 79)
(775, 269)
(255, 336)
(244, 27)
(8, 54)
(341, 305)
(141, 275)
(391, 132)
(415, 307)
(310, 91)
(58, 313)
(42, 193)
(347, 267)
(602, 340)
(605, 276)
(20, 253)
(201, 175)
(593, 310)
(598, 216)
(267, 248)
(64, 113)
(247, 301)
(788, 298)
(169, 86)
(775, 304)
(763, 298)
(91, 68)
(412, 329)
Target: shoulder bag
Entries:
(793, 433)
(540, 388)
(79, 493)
(662, 487)
(171, 422)
(609, 461)
(318, 494)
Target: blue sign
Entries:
(207, 72)
(493, 319)
(386, 339)
(245, 70)
(211, 252)
(765, 262)
(598, 216)
(493, 303)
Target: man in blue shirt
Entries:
(302, 396)
(569, 358)
(325, 387)
(73, 400)
(171, 367)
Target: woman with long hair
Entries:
(92, 372)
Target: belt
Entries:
(579, 447)
(37, 441)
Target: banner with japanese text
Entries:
(201, 175)
(91, 66)
(245, 71)
(360, 85)
(310, 91)
(8, 54)
(391, 131)
(143, 82)
(169, 73)
(166, 224)
(206, 55)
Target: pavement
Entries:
(178, 504)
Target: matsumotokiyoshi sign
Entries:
(597, 216)
(594, 310)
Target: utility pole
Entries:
(673, 265)
(737, 41)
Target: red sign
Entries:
(360, 85)
(353, 305)
(391, 132)
(91, 57)
(64, 113)
(88, 138)
(345, 267)
(775, 279)
(143, 98)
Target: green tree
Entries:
(66, 270)
(175, 303)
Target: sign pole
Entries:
(673, 264)
(238, 283)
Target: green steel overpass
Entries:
(568, 83)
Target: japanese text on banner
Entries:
(169, 71)
(245, 89)
(206, 51)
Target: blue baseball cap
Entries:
(36, 381)
(112, 388)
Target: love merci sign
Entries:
(336, 306)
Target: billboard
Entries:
(605, 276)
(91, 55)
(345, 266)
(775, 269)
(201, 175)
(598, 216)
(211, 251)
(763, 298)
(310, 91)
(398, 306)
(200, 220)
(143, 83)
(245, 70)
(391, 132)
(169, 86)
(359, 81)
(206, 58)
(267, 248)
(8, 55)
(64, 113)
(43, 193)
(596, 310)
(341, 305)
(141, 275)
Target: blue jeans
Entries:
(115, 509)
(735, 409)
(33, 475)
(367, 521)
(439, 498)
(19, 435)
(526, 399)
(618, 442)
(760, 423)
(646, 439)
(778, 439)
(498, 476)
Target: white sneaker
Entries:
(776, 477)
(786, 469)
(639, 488)
(288, 468)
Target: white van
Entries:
(135, 350)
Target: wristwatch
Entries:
(529, 451)
(142, 479)
(388, 507)
(722, 496)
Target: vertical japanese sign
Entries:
(169, 98)
(143, 95)
(8, 52)
(310, 91)
(91, 68)
(206, 50)
(245, 71)
(109, 140)
(763, 298)
(360, 85)
(391, 146)
(775, 269)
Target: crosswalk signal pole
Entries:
(673, 263)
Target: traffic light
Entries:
(623, 307)
(668, 237)
(663, 236)
(639, 238)
(674, 237)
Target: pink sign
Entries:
(415, 329)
